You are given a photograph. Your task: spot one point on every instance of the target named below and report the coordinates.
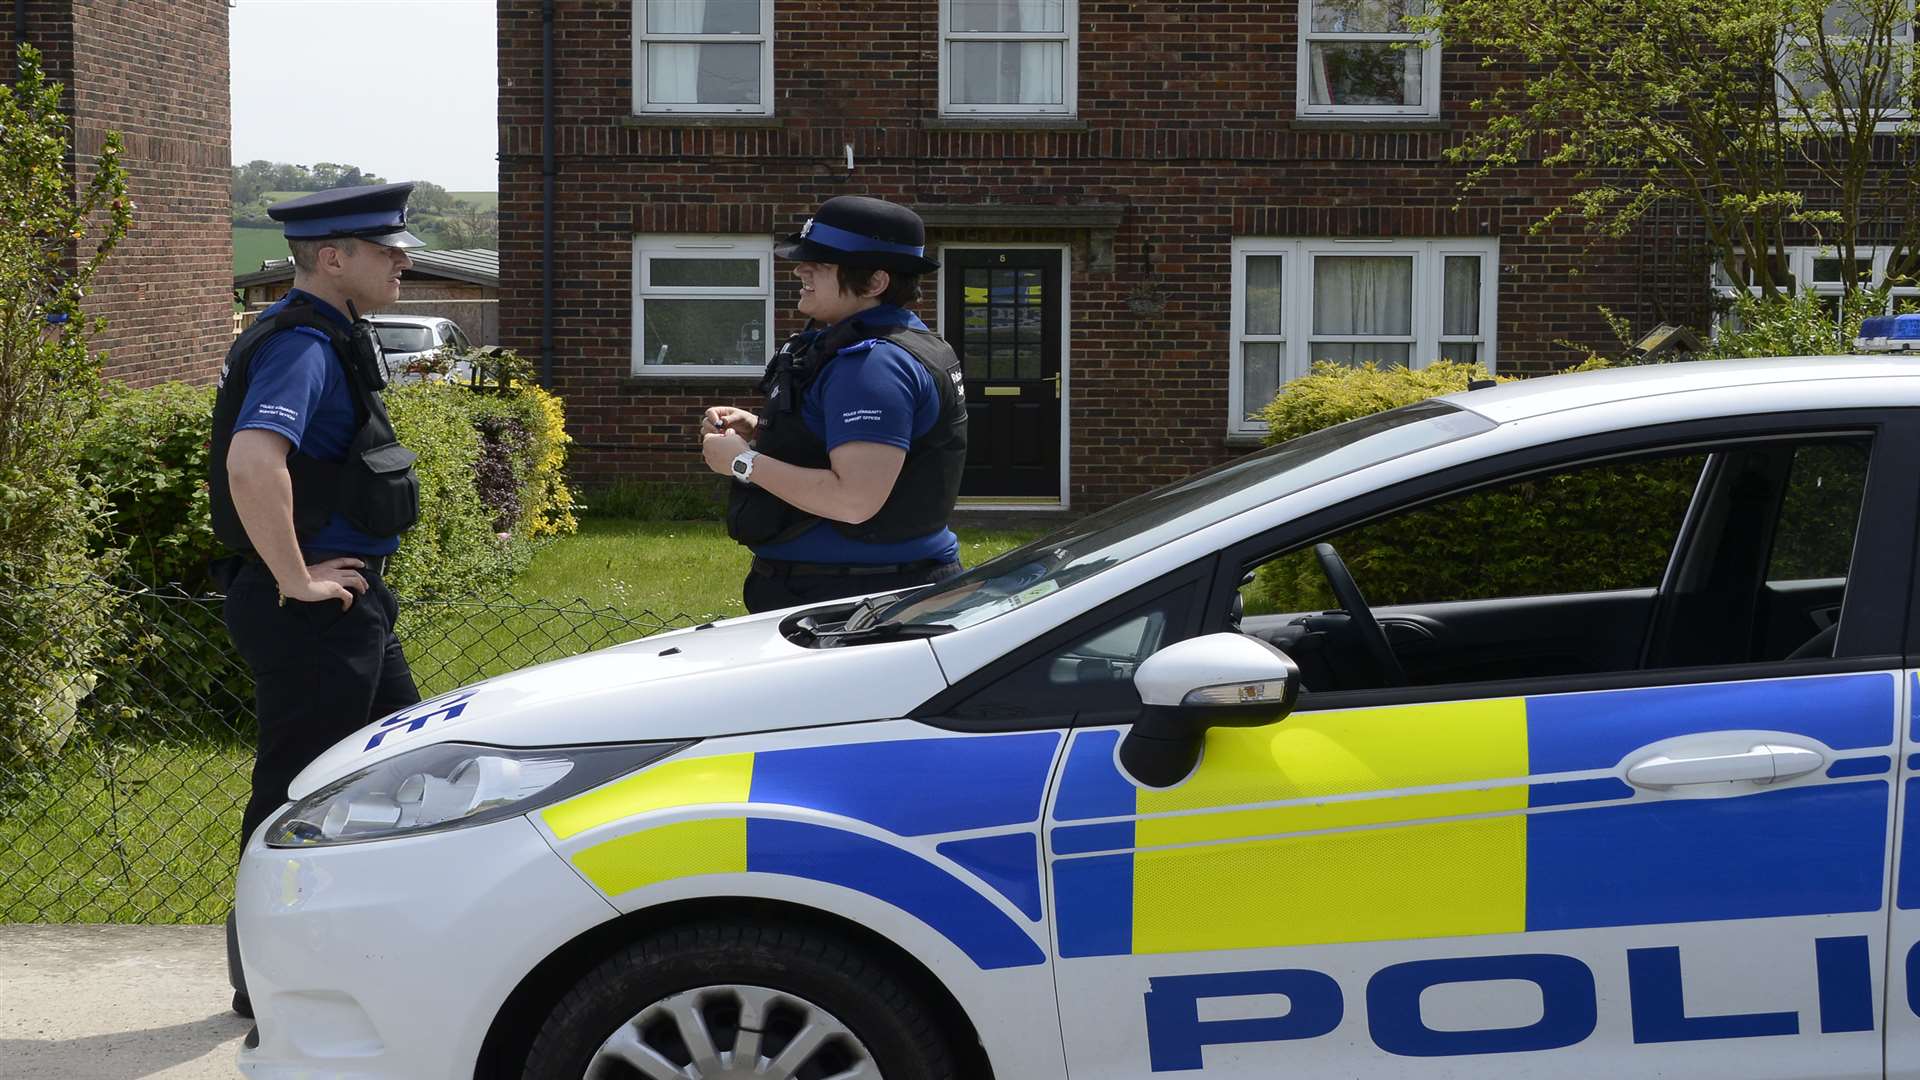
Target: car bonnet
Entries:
(725, 678)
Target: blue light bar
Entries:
(1889, 333)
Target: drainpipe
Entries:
(19, 24)
(546, 193)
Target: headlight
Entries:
(449, 786)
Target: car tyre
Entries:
(642, 995)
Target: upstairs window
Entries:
(1867, 46)
(1008, 57)
(703, 56)
(1358, 59)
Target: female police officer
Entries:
(855, 459)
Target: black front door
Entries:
(1001, 313)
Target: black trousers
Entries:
(771, 592)
(319, 674)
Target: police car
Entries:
(1619, 781)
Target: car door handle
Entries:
(1761, 763)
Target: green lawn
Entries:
(144, 832)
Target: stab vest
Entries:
(929, 482)
(374, 488)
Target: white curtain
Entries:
(1462, 295)
(1359, 295)
(1010, 72)
(673, 70)
(1040, 63)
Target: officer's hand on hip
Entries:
(334, 579)
(723, 418)
(720, 450)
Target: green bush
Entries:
(455, 548)
(1797, 325)
(143, 460)
(146, 450)
(59, 231)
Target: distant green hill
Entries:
(485, 200)
(252, 246)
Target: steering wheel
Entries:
(1360, 616)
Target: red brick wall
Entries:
(158, 74)
(1186, 119)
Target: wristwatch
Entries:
(743, 466)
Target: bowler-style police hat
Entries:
(854, 230)
(376, 213)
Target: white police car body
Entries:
(1074, 814)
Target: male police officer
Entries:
(311, 489)
(856, 457)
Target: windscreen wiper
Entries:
(886, 631)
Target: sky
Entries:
(405, 89)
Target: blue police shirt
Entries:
(297, 388)
(872, 391)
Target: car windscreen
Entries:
(399, 339)
(1110, 537)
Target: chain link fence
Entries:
(127, 726)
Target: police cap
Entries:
(854, 230)
(373, 212)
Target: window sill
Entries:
(631, 381)
(700, 120)
(1004, 123)
(1245, 440)
(1370, 123)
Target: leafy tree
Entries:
(1777, 121)
(55, 619)
(48, 378)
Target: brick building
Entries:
(158, 74)
(1150, 215)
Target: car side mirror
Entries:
(1217, 680)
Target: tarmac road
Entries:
(116, 1003)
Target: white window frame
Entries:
(647, 249)
(1069, 65)
(1296, 313)
(1800, 262)
(1303, 92)
(641, 39)
(1893, 117)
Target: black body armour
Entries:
(929, 482)
(374, 488)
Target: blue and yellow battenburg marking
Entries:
(909, 787)
(1468, 818)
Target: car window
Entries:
(1726, 555)
(1093, 673)
(1605, 526)
(1815, 538)
(1129, 529)
(404, 339)
(455, 335)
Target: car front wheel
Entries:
(718, 1000)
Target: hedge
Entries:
(490, 482)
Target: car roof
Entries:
(1887, 379)
(407, 320)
